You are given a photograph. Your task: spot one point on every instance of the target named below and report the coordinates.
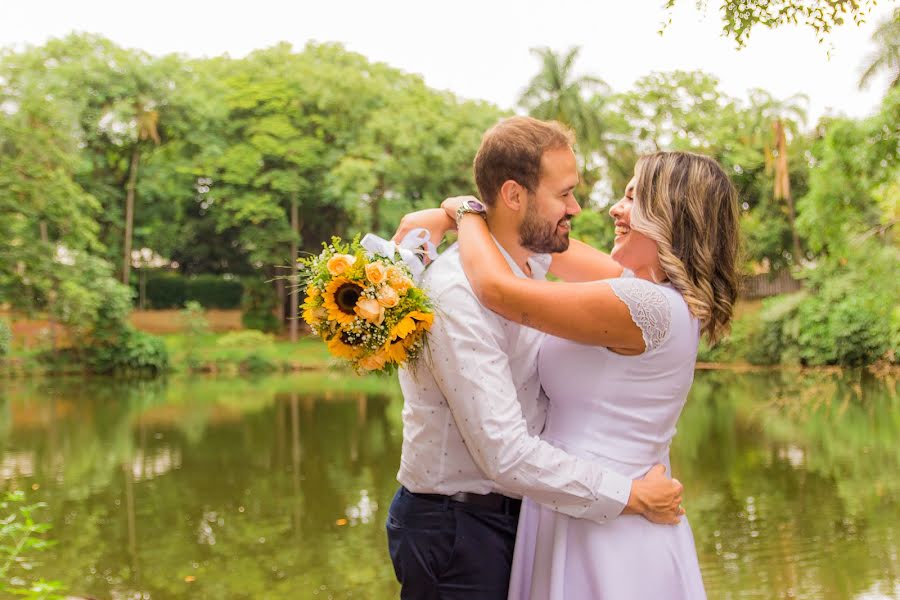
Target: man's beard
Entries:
(539, 236)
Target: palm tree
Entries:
(782, 117)
(556, 93)
(146, 122)
(886, 56)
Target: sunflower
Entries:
(341, 349)
(340, 298)
(412, 321)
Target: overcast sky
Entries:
(480, 48)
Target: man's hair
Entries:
(512, 150)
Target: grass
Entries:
(210, 353)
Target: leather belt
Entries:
(493, 501)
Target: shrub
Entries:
(166, 290)
(847, 315)
(259, 304)
(256, 363)
(173, 290)
(133, 352)
(248, 338)
(213, 291)
(5, 338)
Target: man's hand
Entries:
(656, 497)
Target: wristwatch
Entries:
(470, 206)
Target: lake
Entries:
(278, 487)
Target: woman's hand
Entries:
(450, 205)
(435, 220)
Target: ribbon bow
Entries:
(415, 243)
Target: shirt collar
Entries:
(539, 263)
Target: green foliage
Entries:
(212, 291)
(846, 316)
(853, 185)
(131, 353)
(594, 227)
(259, 305)
(257, 363)
(5, 338)
(739, 17)
(166, 290)
(248, 338)
(21, 537)
(172, 290)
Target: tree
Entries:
(886, 56)
(556, 93)
(739, 17)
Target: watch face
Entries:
(474, 206)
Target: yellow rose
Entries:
(376, 272)
(370, 310)
(312, 291)
(373, 362)
(314, 316)
(402, 285)
(395, 274)
(340, 263)
(388, 297)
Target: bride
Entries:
(617, 367)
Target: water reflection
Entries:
(278, 487)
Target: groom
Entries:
(473, 407)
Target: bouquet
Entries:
(363, 301)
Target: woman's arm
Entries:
(582, 262)
(589, 313)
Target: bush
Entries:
(212, 291)
(166, 290)
(256, 363)
(173, 290)
(259, 307)
(847, 316)
(248, 338)
(5, 338)
(134, 352)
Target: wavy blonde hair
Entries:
(687, 204)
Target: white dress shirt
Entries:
(473, 408)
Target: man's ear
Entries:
(512, 195)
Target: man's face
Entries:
(547, 221)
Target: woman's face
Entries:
(632, 249)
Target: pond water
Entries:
(278, 487)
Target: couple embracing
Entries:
(565, 393)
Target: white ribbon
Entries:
(415, 243)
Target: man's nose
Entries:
(573, 208)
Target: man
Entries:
(473, 406)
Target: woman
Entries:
(617, 368)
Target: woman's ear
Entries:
(512, 195)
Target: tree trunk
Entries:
(279, 290)
(295, 289)
(51, 297)
(129, 213)
(783, 185)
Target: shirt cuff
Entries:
(613, 496)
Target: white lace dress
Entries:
(620, 411)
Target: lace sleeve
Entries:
(649, 308)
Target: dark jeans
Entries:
(448, 550)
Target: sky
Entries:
(480, 48)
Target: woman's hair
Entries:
(687, 204)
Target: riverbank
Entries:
(233, 353)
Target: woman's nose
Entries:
(615, 210)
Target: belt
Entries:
(493, 501)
